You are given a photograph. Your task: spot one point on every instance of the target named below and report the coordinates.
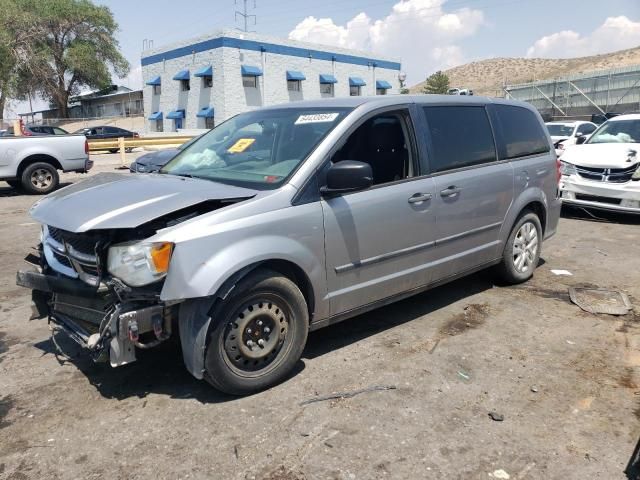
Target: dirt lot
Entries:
(566, 382)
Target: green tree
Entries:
(436, 83)
(72, 45)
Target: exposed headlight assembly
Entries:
(138, 264)
(567, 168)
(636, 174)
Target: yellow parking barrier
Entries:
(112, 144)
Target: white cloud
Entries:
(616, 33)
(420, 32)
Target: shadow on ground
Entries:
(7, 191)
(601, 216)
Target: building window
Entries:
(354, 91)
(326, 88)
(381, 91)
(249, 81)
(159, 126)
(208, 122)
(207, 82)
(185, 85)
(157, 90)
(294, 85)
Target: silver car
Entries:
(286, 219)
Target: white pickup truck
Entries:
(33, 162)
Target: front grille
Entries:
(595, 198)
(611, 175)
(72, 254)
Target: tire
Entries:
(264, 307)
(114, 150)
(517, 268)
(128, 149)
(39, 178)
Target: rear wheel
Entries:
(39, 178)
(522, 250)
(259, 333)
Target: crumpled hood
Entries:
(603, 155)
(112, 200)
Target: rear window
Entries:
(460, 137)
(519, 132)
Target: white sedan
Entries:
(604, 171)
(564, 134)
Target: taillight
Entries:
(86, 146)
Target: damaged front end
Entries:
(71, 287)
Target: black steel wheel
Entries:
(259, 333)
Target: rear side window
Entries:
(519, 132)
(460, 137)
(586, 128)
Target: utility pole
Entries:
(245, 16)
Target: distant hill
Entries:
(486, 77)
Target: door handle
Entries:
(451, 191)
(419, 197)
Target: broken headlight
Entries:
(567, 168)
(138, 264)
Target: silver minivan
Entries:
(286, 219)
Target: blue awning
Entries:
(326, 78)
(295, 75)
(383, 85)
(250, 71)
(205, 112)
(356, 82)
(154, 81)
(204, 72)
(155, 116)
(175, 114)
(182, 75)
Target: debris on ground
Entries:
(566, 273)
(500, 474)
(498, 417)
(339, 396)
(599, 300)
(534, 389)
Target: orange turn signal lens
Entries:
(161, 256)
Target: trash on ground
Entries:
(501, 474)
(570, 342)
(562, 272)
(600, 300)
(337, 396)
(534, 389)
(498, 417)
(464, 375)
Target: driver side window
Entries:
(384, 143)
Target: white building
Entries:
(205, 80)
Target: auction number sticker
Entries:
(241, 145)
(317, 118)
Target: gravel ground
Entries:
(564, 382)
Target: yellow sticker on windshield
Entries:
(241, 145)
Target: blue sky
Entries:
(425, 34)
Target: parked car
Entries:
(460, 91)
(153, 161)
(105, 133)
(564, 134)
(33, 162)
(287, 219)
(36, 130)
(603, 172)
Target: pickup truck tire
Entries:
(522, 250)
(40, 178)
(259, 333)
(114, 150)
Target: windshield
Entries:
(257, 149)
(619, 131)
(559, 129)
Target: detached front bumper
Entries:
(98, 319)
(619, 197)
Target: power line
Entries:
(244, 15)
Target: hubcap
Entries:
(254, 339)
(41, 178)
(525, 247)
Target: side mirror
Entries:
(580, 138)
(347, 176)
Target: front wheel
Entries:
(258, 336)
(40, 178)
(522, 250)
